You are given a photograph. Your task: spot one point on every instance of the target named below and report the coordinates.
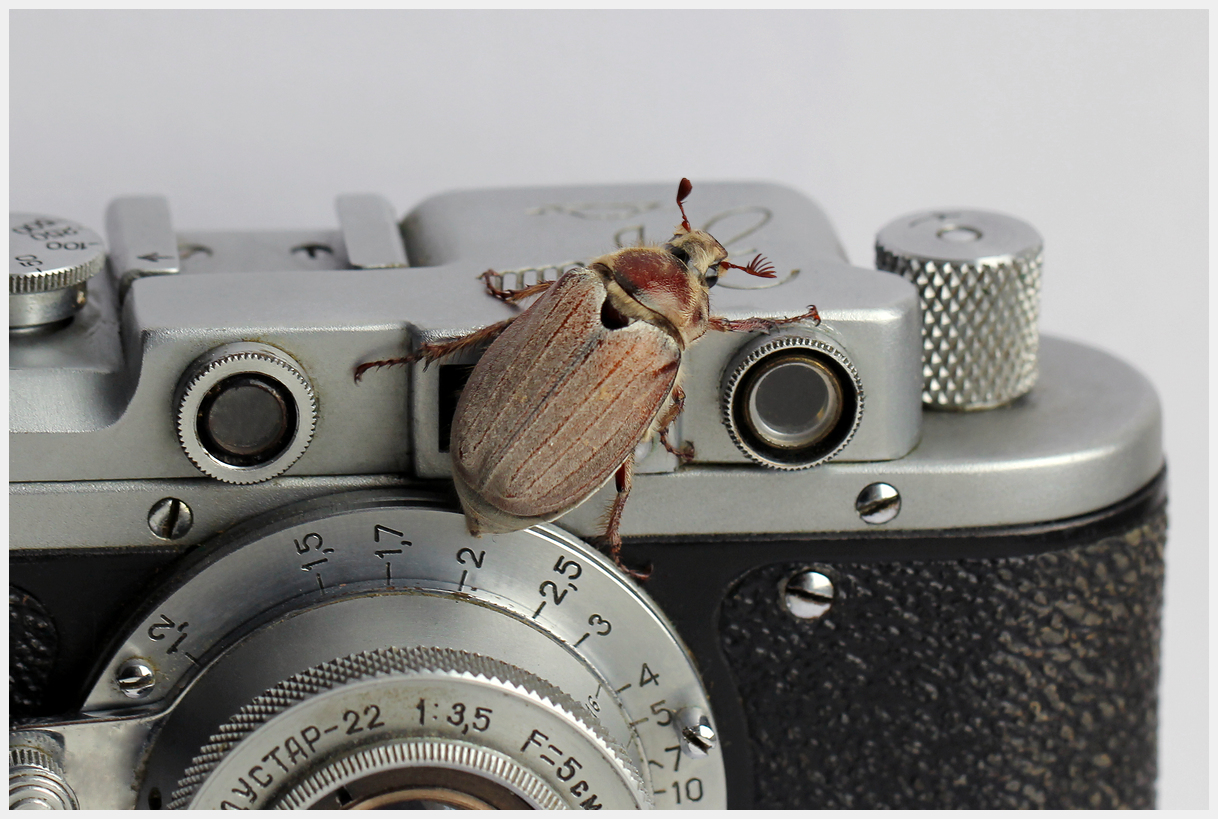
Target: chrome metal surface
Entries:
(50, 261)
(697, 736)
(499, 782)
(978, 275)
(878, 503)
(211, 370)
(35, 773)
(753, 435)
(101, 756)
(454, 699)
(808, 595)
(34, 312)
(142, 239)
(370, 231)
(1092, 423)
(135, 678)
(380, 570)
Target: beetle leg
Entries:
(513, 296)
(430, 352)
(752, 325)
(686, 453)
(622, 481)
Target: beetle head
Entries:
(702, 254)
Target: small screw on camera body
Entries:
(170, 519)
(698, 738)
(136, 678)
(808, 595)
(878, 503)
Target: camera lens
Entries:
(794, 401)
(370, 653)
(791, 402)
(247, 419)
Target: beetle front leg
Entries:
(686, 453)
(430, 352)
(622, 481)
(513, 296)
(752, 325)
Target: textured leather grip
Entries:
(1013, 682)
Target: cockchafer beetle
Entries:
(559, 401)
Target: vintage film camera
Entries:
(916, 562)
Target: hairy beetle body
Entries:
(558, 402)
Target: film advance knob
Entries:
(978, 278)
(50, 261)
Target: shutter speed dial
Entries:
(246, 412)
(50, 260)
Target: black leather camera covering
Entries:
(1006, 682)
(996, 667)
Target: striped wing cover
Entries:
(558, 402)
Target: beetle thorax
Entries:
(663, 287)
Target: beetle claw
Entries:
(638, 574)
(606, 543)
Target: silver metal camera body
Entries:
(131, 439)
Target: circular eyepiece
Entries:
(245, 413)
(792, 402)
(247, 419)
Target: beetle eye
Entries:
(678, 252)
(712, 275)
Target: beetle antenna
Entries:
(683, 191)
(760, 266)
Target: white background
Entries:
(1092, 126)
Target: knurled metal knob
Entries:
(50, 262)
(35, 774)
(978, 276)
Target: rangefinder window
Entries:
(795, 407)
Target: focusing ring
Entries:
(204, 783)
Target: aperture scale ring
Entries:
(392, 669)
(405, 568)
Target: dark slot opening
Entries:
(452, 381)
